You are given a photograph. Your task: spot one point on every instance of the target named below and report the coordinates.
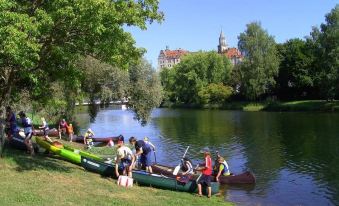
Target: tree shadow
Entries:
(26, 162)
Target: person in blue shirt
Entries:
(28, 130)
(144, 150)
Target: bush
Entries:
(215, 93)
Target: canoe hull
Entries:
(51, 132)
(170, 183)
(244, 178)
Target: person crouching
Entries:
(124, 160)
(27, 125)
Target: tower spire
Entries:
(222, 43)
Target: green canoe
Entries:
(70, 154)
(145, 178)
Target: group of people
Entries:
(12, 128)
(127, 161)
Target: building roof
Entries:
(175, 54)
(232, 52)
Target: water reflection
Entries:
(294, 155)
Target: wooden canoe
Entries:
(243, 178)
(80, 139)
(144, 178)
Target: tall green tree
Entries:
(198, 70)
(261, 62)
(40, 40)
(296, 76)
(145, 91)
(327, 41)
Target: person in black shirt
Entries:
(144, 150)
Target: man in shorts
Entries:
(206, 171)
(124, 160)
(28, 130)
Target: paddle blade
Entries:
(176, 170)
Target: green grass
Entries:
(48, 180)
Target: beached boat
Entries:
(18, 142)
(51, 133)
(106, 140)
(145, 178)
(106, 169)
(70, 154)
(243, 178)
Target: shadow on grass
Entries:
(40, 161)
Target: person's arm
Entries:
(219, 173)
(117, 167)
(152, 145)
(132, 164)
(139, 151)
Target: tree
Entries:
(296, 77)
(260, 64)
(41, 40)
(328, 54)
(196, 71)
(215, 93)
(145, 91)
(102, 81)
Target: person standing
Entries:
(124, 160)
(70, 132)
(62, 127)
(45, 129)
(144, 150)
(11, 125)
(28, 130)
(206, 171)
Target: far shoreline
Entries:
(272, 106)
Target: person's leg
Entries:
(209, 192)
(199, 189)
(59, 133)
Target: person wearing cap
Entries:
(88, 138)
(223, 168)
(28, 130)
(124, 159)
(206, 171)
(144, 150)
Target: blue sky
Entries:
(195, 24)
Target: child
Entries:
(146, 140)
(88, 138)
(187, 167)
(223, 168)
(206, 170)
(45, 129)
(70, 132)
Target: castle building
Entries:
(233, 54)
(169, 58)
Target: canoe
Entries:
(80, 139)
(144, 178)
(52, 132)
(243, 178)
(97, 166)
(171, 183)
(17, 142)
(70, 154)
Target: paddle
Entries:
(177, 168)
(155, 157)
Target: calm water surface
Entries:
(295, 156)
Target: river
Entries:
(295, 156)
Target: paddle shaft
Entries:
(185, 152)
(155, 157)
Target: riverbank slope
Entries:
(48, 180)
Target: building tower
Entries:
(222, 47)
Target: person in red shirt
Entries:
(206, 171)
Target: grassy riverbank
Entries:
(306, 105)
(49, 180)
